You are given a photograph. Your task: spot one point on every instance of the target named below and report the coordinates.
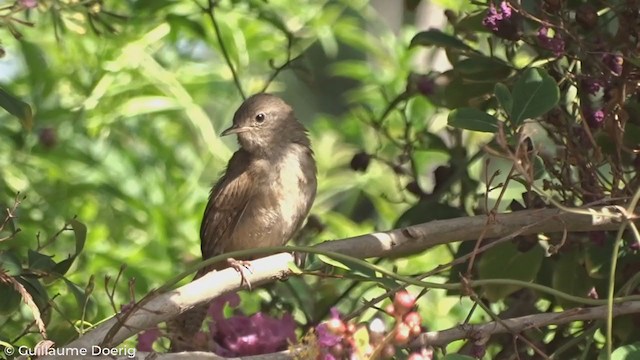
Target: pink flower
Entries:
(553, 43)
(29, 4)
(242, 335)
(146, 339)
(503, 22)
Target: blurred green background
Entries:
(128, 100)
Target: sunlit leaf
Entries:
(17, 108)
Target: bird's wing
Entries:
(227, 203)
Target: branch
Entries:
(520, 324)
(395, 242)
(417, 238)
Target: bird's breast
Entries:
(282, 193)
(287, 189)
(295, 185)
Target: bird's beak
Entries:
(235, 130)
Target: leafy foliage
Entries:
(110, 131)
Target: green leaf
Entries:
(83, 300)
(570, 276)
(472, 23)
(505, 262)
(63, 266)
(361, 338)
(10, 263)
(183, 22)
(335, 263)
(503, 95)
(453, 91)
(41, 79)
(627, 352)
(430, 141)
(457, 357)
(597, 258)
(435, 37)
(38, 261)
(17, 108)
(9, 299)
(425, 211)
(539, 170)
(483, 68)
(80, 231)
(472, 119)
(36, 290)
(534, 94)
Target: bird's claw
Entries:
(240, 266)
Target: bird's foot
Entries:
(241, 266)
(300, 259)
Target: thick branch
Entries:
(382, 244)
(420, 237)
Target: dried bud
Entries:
(425, 85)
(360, 161)
(587, 16)
(403, 302)
(412, 319)
(402, 335)
(442, 174)
(337, 350)
(552, 6)
(388, 352)
(614, 62)
(48, 137)
(414, 188)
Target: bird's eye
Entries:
(260, 117)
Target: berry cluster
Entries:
(340, 340)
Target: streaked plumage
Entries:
(264, 195)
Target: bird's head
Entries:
(265, 124)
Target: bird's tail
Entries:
(182, 329)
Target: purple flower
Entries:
(593, 117)
(614, 62)
(503, 22)
(591, 86)
(553, 43)
(216, 307)
(426, 86)
(242, 335)
(146, 339)
(325, 338)
(30, 4)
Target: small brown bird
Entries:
(263, 197)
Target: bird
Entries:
(262, 198)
